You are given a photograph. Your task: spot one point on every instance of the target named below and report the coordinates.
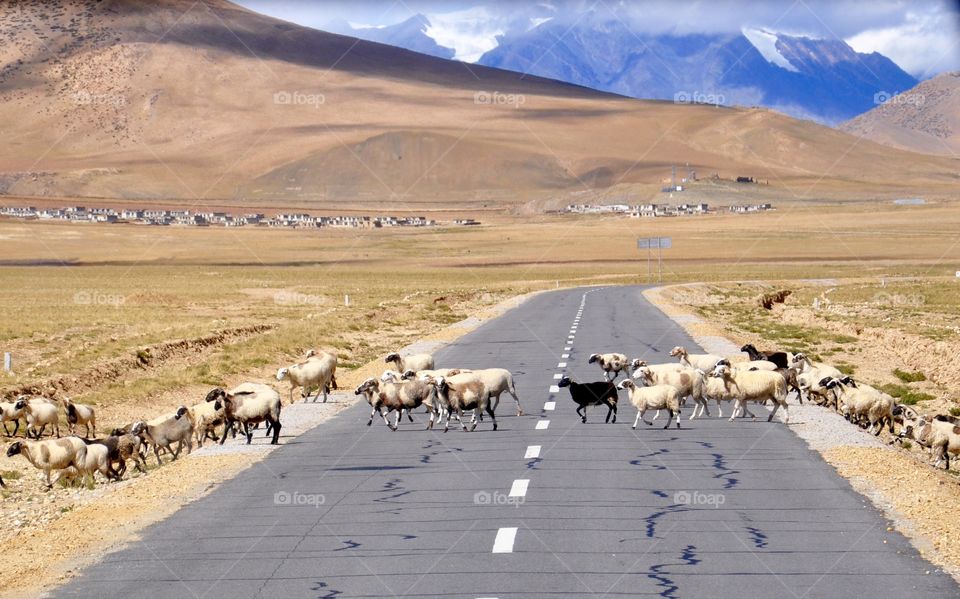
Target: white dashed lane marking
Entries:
(533, 451)
(564, 355)
(504, 541)
(519, 487)
(561, 365)
(554, 389)
(550, 405)
(542, 425)
(557, 377)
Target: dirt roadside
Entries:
(72, 528)
(922, 502)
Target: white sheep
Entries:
(162, 432)
(10, 413)
(98, 460)
(496, 381)
(463, 392)
(658, 397)
(206, 417)
(39, 411)
(862, 402)
(611, 363)
(403, 396)
(78, 414)
(755, 365)
(246, 404)
(757, 386)
(687, 382)
(415, 362)
(318, 370)
(718, 390)
(704, 362)
(52, 454)
(943, 438)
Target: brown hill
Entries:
(206, 100)
(923, 119)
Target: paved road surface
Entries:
(716, 509)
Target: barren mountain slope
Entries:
(206, 100)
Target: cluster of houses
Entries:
(204, 219)
(660, 210)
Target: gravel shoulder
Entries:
(922, 502)
(49, 536)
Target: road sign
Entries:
(652, 243)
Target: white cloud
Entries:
(924, 45)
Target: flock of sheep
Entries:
(414, 382)
(240, 409)
(766, 376)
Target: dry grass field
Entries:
(116, 313)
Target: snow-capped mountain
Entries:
(410, 34)
(819, 79)
(823, 80)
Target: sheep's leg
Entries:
(493, 417)
(430, 423)
(385, 420)
(476, 418)
(636, 420)
(460, 418)
(409, 415)
(226, 431)
(655, 416)
(513, 392)
(719, 410)
(276, 432)
(670, 418)
(736, 410)
(641, 413)
(776, 406)
(613, 408)
(582, 413)
(396, 422)
(373, 411)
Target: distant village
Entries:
(82, 214)
(662, 210)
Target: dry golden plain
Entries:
(214, 306)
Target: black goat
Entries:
(778, 357)
(592, 394)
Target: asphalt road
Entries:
(715, 509)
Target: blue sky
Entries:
(922, 36)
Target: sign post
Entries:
(649, 244)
